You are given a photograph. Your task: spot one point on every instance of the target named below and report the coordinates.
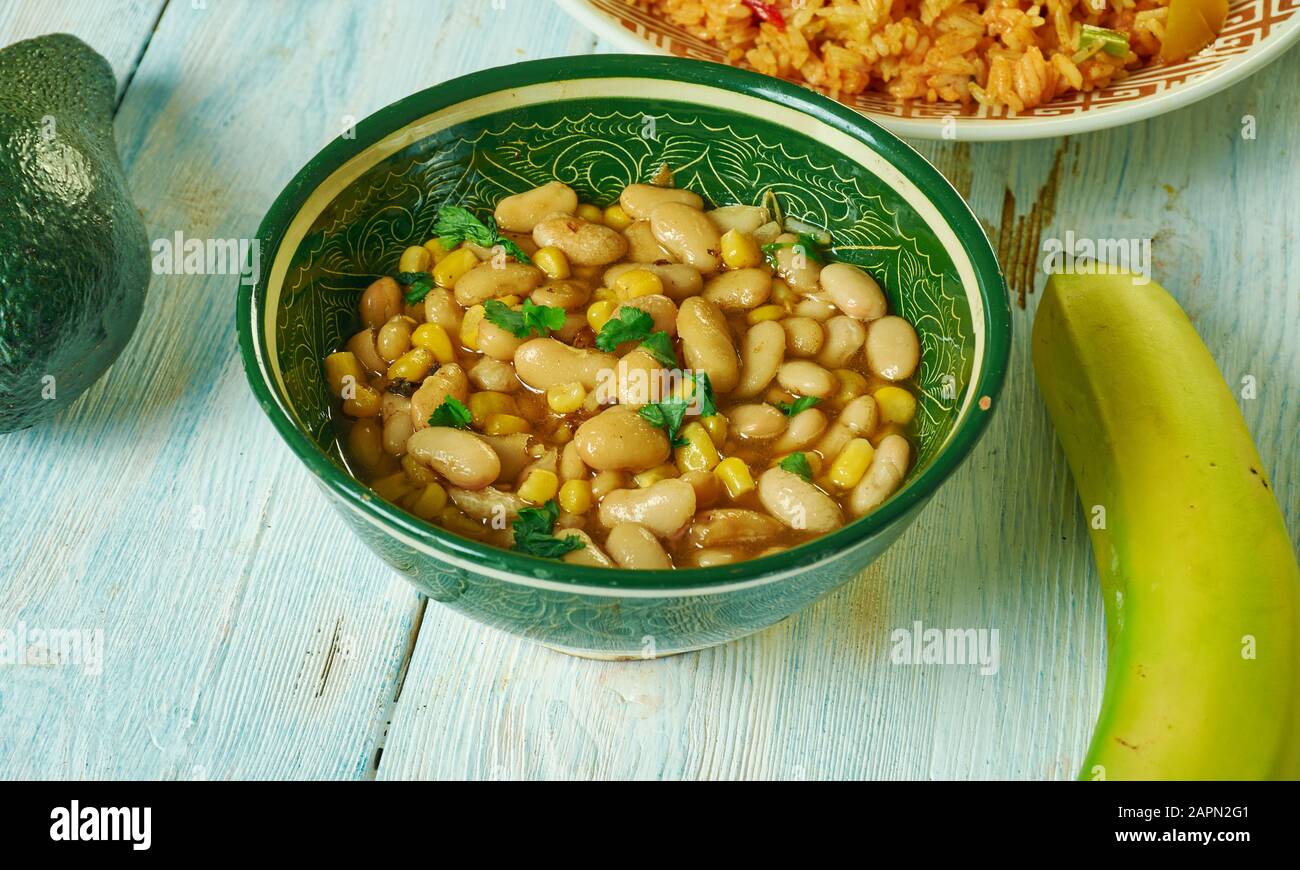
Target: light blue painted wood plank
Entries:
(119, 30)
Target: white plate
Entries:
(1255, 33)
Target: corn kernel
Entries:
(434, 339)
(509, 301)
(553, 262)
(562, 434)
(698, 453)
(851, 463)
(651, 476)
(436, 250)
(343, 373)
(429, 501)
(765, 312)
(616, 218)
(504, 424)
(453, 266)
(575, 496)
(392, 487)
(735, 476)
(716, 426)
(415, 259)
(486, 403)
(599, 313)
(417, 472)
(364, 403)
(411, 366)
(469, 327)
(896, 405)
(566, 398)
(740, 251)
(590, 213)
(637, 282)
(604, 294)
(540, 487)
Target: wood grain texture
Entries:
(119, 31)
(248, 634)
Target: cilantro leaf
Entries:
(451, 413)
(533, 533)
(704, 390)
(661, 348)
(797, 463)
(799, 405)
(533, 319)
(632, 324)
(668, 416)
(456, 224)
(418, 285)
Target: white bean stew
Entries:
(655, 384)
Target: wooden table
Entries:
(248, 633)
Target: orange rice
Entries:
(1001, 53)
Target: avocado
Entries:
(74, 256)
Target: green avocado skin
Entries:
(74, 255)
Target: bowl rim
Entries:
(611, 581)
(1012, 129)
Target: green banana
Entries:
(1201, 586)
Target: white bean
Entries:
(739, 289)
(887, 469)
(461, 457)
(635, 547)
(844, 337)
(757, 421)
(706, 342)
(688, 235)
(892, 348)
(761, 355)
(664, 507)
(853, 291)
(522, 212)
(619, 438)
(797, 503)
(639, 200)
(805, 378)
(583, 242)
(804, 428)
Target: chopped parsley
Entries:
(533, 533)
(456, 224)
(671, 415)
(798, 406)
(533, 319)
(418, 285)
(451, 413)
(797, 463)
(668, 416)
(633, 324)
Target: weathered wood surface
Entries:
(248, 634)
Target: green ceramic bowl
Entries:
(599, 123)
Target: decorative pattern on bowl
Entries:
(347, 217)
